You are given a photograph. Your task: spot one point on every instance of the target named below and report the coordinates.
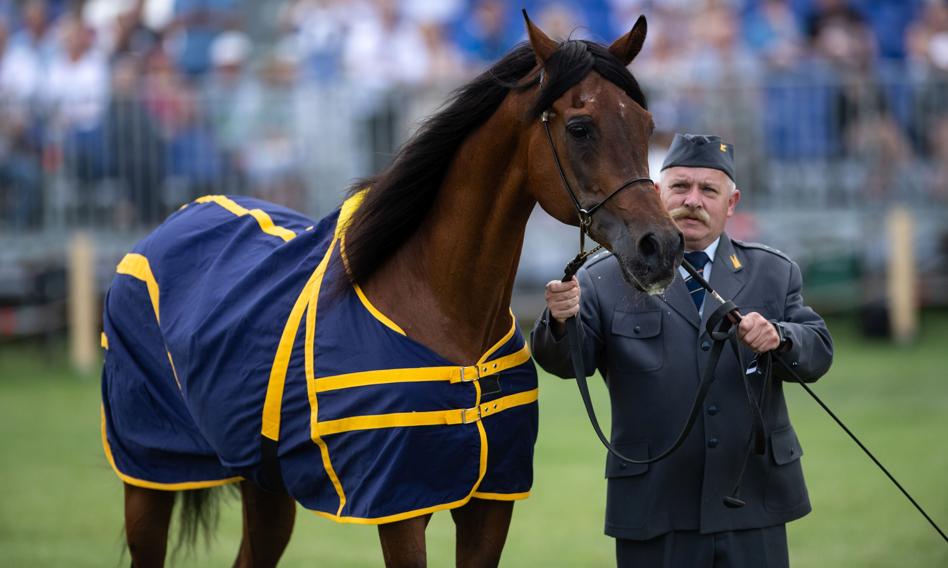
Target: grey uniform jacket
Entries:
(651, 350)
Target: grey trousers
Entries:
(752, 548)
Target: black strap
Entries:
(271, 479)
(721, 330)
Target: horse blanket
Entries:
(229, 326)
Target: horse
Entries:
(367, 365)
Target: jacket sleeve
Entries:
(811, 352)
(551, 351)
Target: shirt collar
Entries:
(712, 249)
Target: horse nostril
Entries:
(649, 245)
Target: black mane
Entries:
(400, 197)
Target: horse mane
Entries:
(399, 199)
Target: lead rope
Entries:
(722, 329)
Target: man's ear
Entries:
(543, 46)
(733, 201)
(628, 46)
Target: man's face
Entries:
(699, 200)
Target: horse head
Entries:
(588, 146)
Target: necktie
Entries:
(697, 259)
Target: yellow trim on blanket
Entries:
(181, 486)
(173, 371)
(376, 313)
(428, 418)
(264, 220)
(136, 266)
(423, 374)
(503, 340)
(273, 402)
(501, 496)
(308, 364)
(349, 207)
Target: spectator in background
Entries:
(731, 105)
(485, 35)
(385, 57)
(20, 173)
(561, 20)
(75, 91)
(773, 32)
(34, 34)
(269, 111)
(135, 149)
(927, 46)
(319, 28)
(865, 121)
(131, 35)
(20, 69)
(225, 85)
(195, 25)
(447, 64)
(194, 161)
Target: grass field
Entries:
(60, 504)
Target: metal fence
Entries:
(820, 157)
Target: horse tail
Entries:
(198, 517)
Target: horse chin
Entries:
(644, 280)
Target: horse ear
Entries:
(628, 46)
(541, 43)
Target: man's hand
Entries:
(562, 298)
(756, 332)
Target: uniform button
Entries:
(713, 443)
(705, 345)
(794, 364)
(636, 329)
(713, 409)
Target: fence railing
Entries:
(819, 158)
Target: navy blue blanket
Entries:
(225, 325)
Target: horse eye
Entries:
(578, 131)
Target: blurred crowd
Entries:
(167, 98)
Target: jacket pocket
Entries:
(784, 446)
(627, 490)
(615, 467)
(639, 340)
(785, 486)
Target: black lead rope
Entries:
(721, 327)
(862, 446)
(722, 331)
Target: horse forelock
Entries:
(572, 62)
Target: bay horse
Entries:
(367, 366)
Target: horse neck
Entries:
(449, 286)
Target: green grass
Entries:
(60, 504)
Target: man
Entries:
(651, 351)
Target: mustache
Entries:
(690, 213)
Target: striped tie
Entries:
(697, 259)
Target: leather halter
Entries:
(584, 214)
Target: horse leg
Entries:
(481, 531)
(268, 524)
(403, 543)
(147, 517)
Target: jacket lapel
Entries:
(727, 277)
(678, 299)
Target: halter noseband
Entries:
(585, 215)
